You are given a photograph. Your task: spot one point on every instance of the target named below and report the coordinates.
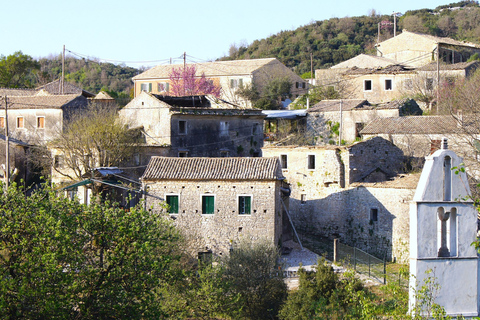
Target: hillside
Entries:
(338, 39)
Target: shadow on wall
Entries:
(355, 216)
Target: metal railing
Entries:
(361, 261)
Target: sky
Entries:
(146, 33)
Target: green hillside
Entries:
(338, 39)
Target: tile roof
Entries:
(365, 61)
(38, 102)
(452, 66)
(412, 125)
(211, 69)
(10, 92)
(163, 168)
(102, 95)
(391, 69)
(68, 88)
(334, 105)
(443, 40)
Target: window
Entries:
(303, 198)
(147, 87)
(244, 204)
(41, 122)
(358, 129)
(136, 159)
(302, 85)
(205, 258)
(224, 153)
(20, 122)
(388, 85)
(367, 85)
(172, 202)
(373, 215)
(2, 122)
(208, 204)
(255, 128)
(72, 193)
(311, 162)
(223, 128)
(183, 154)
(59, 161)
(182, 127)
(429, 84)
(163, 87)
(236, 83)
(408, 84)
(284, 161)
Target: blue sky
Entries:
(150, 32)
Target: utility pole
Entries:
(7, 146)
(62, 90)
(438, 75)
(340, 127)
(395, 23)
(184, 66)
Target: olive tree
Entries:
(60, 259)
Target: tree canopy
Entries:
(17, 70)
(63, 260)
(185, 82)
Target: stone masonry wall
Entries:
(217, 231)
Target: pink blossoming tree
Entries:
(184, 82)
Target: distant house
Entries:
(56, 88)
(218, 201)
(350, 116)
(196, 126)
(19, 153)
(230, 75)
(418, 49)
(39, 119)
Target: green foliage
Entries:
(474, 57)
(257, 279)
(273, 93)
(17, 70)
(323, 295)
(63, 260)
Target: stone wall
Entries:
(217, 231)
(326, 201)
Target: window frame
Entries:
(148, 85)
(309, 156)
(284, 163)
(167, 195)
(182, 131)
(18, 122)
(38, 122)
(204, 210)
(2, 122)
(165, 85)
(374, 215)
(365, 85)
(391, 85)
(245, 196)
(224, 128)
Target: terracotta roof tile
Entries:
(412, 125)
(163, 168)
(334, 105)
(9, 92)
(42, 102)
(211, 69)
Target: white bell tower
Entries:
(443, 225)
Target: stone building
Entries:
(229, 75)
(218, 201)
(39, 119)
(418, 49)
(350, 116)
(356, 193)
(196, 126)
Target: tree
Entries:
(257, 278)
(16, 70)
(272, 94)
(322, 294)
(94, 137)
(63, 260)
(184, 82)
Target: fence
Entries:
(360, 261)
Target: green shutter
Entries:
(247, 204)
(244, 204)
(208, 204)
(150, 87)
(172, 202)
(167, 87)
